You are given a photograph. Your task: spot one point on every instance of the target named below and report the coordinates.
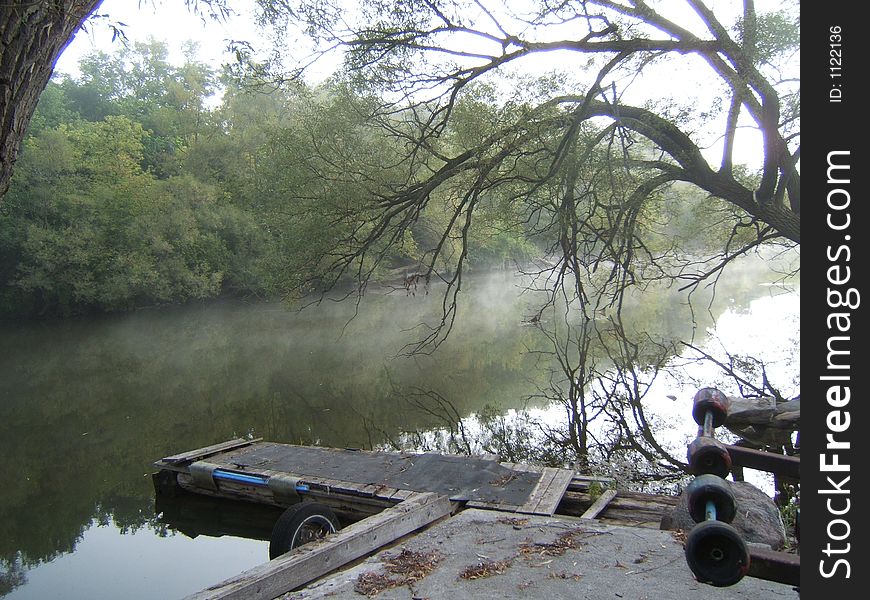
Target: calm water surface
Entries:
(87, 405)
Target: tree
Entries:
(589, 160)
(34, 35)
(556, 134)
(137, 81)
(428, 53)
(85, 227)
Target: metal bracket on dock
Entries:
(284, 488)
(202, 474)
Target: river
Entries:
(86, 406)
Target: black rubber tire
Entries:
(716, 554)
(300, 524)
(710, 487)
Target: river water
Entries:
(87, 405)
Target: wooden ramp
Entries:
(311, 561)
(359, 482)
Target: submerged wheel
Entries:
(708, 487)
(716, 554)
(301, 523)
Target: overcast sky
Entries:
(166, 20)
(170, 21)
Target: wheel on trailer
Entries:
(301, 523)
(709, 455)
(716, 554)
(710, 399)
(708, 487)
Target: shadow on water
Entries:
(194, 516)
(87, 405)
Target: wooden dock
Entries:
(383, 495)
(358, 482)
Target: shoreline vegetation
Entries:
(131, 191)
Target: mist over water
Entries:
(87, 405)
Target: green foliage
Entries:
(134, 189)
(54, 108)
(776, 34)
(85, 227)
(595, 490)
(790, 513)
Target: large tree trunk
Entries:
(33, 33)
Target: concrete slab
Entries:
(523, 557)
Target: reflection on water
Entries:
(770, 322)
(87, 405)
(195, 515)
(139, 565)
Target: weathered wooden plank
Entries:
(621, 501)
(335, 486)
(400, 495)
(548, 493)
(200, 453)
(591, 478)
(553, 494)
(627, 499)
(636, 516)
(779, 464)
(652, 498)
(599, 505)
(537, 494)
(631, 504)
(309, 562)
(370, 490)
(623, 509)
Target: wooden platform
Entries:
(359, 482)
(384, 496)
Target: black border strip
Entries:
(833, 249)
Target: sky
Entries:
(170, 21)
(166, 20)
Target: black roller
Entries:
(706, 488)
(709, 456)
(716, 554)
